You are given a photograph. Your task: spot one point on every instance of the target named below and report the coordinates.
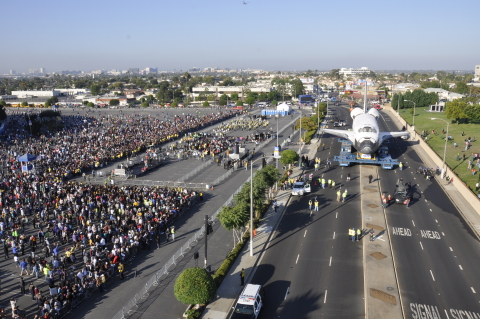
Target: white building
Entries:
(353, 72)
(228, 90)
(50, 93)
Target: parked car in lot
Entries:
(300, 188)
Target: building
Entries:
(49, 93)
(354, 72)
(42, 71)
(12, 72)
(228, 90)
(151, 71)
(477, 71)
(134, 70)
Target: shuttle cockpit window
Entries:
(367, 129)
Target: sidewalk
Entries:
(230, 288)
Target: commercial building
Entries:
(49, 93)
(228, 90)
(477, 71)
(353, 72)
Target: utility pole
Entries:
(206, 239)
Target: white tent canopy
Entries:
(283, 107)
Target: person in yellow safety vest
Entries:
(310, 204)
(323, 182)
(329, 182)
(349, 234)
(344, 195)
(339, 195)
(316, 205)
(384, 201)
(359, 234)
(316, 167)
(401, 166)
(333, 184)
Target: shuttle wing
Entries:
(386, 135)
(349, 135)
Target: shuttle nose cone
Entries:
(366, 147)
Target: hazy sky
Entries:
(263, 34)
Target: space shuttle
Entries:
(365, 134)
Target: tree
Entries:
(145, 104)
(473, 113)
(288, 157)
(114, 102)
(456, 110)
(223, 100)
(250, 100)
(53, 100)
(206, 104)
(3, 103)
(90, 104)
(95, 89)
(307, 124)
(47, 104)
(461, 88)
(239, 103)
(234, 97)
(25, 103)
(194, 286)
(3, 114)
(235, 217)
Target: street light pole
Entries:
(413, 116)
(444, 168)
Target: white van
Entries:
(249, 303)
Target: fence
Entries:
(195, 171)
(154, 279)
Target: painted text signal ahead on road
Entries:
(430, 234)
(422, 311)
(401, 231)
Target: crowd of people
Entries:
(87, 143)
(74, 235)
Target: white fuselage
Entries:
(366, 131)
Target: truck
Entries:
(249, 303)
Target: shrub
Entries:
(194, 286)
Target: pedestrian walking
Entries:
(22, 286)
(348, 177)
(359, 234)
(242, 277)
(370, 177)
(384, 201)
(344, 196)
(158, 240)
(172, 230)
(316, 205)
(310, 204)
(167, 234)
(372, 234)
(353, 234)
(333, 184)
(339, 195)
(401, 166)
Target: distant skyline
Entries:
(263, 34)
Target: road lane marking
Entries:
(333, 235)
(431, 273)
(443, 234)
(460, 267)
(325, 300)
(286, 294)
(305, 233)
(447, 314)
(297, 258)
(413, 223)
(425, 200)
(473, 290)
(431, 210)
(436, 221)
(451, 249)
(330, 261)
(421, 245)
(336, 215)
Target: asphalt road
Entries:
(436, 253)
(310, 268)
